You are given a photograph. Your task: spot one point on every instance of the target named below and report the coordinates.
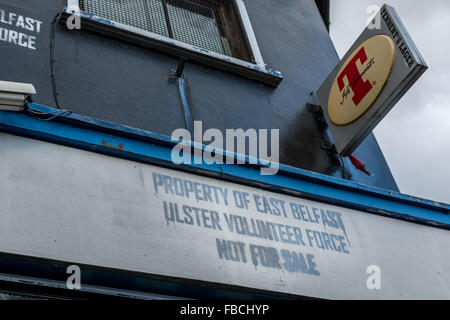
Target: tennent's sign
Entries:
(374, 74)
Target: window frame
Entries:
(257, 71)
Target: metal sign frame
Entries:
(404, 74)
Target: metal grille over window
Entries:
(213, 25)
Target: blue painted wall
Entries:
(116, 81)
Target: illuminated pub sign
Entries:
(378, 69)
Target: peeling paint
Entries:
(95, 18)
(274, 72)
(107, 145)
(200, 49)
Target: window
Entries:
(217, 33)
(208, 24)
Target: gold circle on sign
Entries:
(361, 80)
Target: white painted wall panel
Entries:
(76, 206)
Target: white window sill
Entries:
(257, 72)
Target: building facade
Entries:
(88, 179)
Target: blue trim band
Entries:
(116, 140)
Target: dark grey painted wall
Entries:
(116, 81)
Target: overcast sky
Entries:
(415, 135)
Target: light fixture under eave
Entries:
(14, 95)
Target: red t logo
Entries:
(359, 87)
